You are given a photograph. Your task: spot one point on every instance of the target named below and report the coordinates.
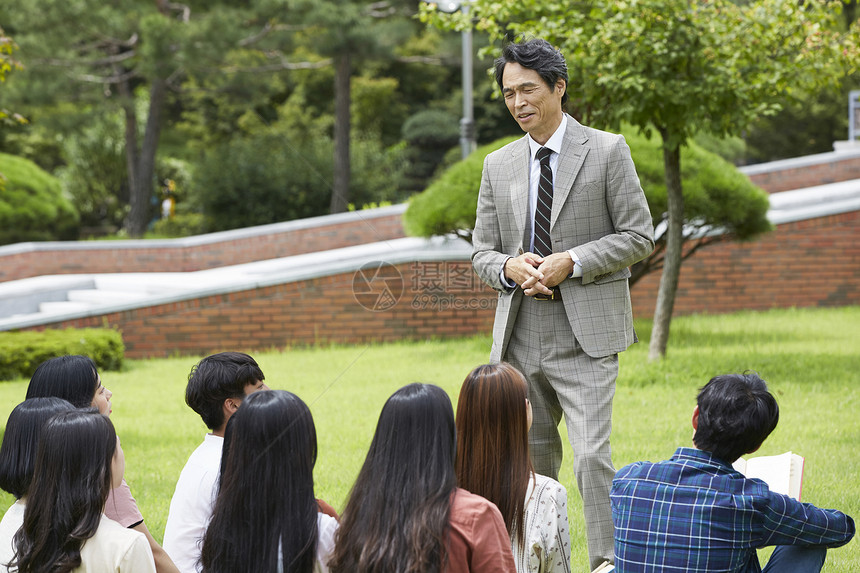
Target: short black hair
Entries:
(538, 55)
(216, 378)
(736, 415)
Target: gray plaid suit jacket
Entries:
(599, 210)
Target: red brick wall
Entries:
(831, 171)
(86, 257)
(808, 263)
(316, 311)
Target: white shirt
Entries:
(12, 520)
(192, 505)
(326, 529)
(553, 143)
(111, 548)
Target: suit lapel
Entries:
(518, 174)
(571, 157)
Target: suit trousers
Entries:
(563, 379)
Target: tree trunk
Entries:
(340, 187)
(674, 245)
(141, 181)
(131, 149)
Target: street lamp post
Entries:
(467, 123)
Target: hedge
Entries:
(22, 352)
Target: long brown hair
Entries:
(492, 440)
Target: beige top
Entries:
(113, 548)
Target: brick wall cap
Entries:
(207, 239)
(814, 202)
(800, 162)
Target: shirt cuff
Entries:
(505, 281)
(577, 265)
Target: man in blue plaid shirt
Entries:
(695, 513)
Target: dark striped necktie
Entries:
(543, 210)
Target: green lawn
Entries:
(811, 358)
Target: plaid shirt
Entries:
(694, 513)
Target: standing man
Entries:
(561, 217)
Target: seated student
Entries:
(266, 517)
(216, 387)
(63, 528)
(17, 460)
(695, 513)
(493, 420)
(405, 512)
(75, 378)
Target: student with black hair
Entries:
(63, 528)
(405, 513)
(696, 513)
(266, 517)
(18, 458)
(217, 385)
(76, 379)
(20, 440)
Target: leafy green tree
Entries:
(678, 67)
(722, 204)
(85, 51)
(349, 33)
(7, 62)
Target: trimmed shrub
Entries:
(32, 205)
(450, 203)
(22, 352)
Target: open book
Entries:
(782, 473)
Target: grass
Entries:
(810, 358)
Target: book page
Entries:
(782, 473)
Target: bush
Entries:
(180, 225)
(32, 205)
(22, 352)
(429, 135)
(264, 179)
(450, 203)
(96, 174)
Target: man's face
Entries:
(255, 386)
(535, 106)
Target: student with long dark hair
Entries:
(266, 517)
(17, 460)
(493, 419)
(405, 513)
(75, 378)
(64, 529)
